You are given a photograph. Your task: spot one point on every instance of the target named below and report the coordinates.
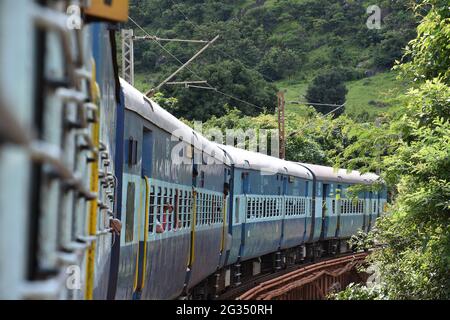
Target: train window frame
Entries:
(159, 205)
(151, 212)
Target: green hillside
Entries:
(366, 97)
(266, 46)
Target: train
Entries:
(81, 149)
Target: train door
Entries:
(227, 203)
(325, 213)
(147, 153)
(143, 220)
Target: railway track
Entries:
(309, 281)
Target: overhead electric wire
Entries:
(221, 51)
(194, 73)
(322, 117)
(200, 78)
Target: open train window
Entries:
(129, 229)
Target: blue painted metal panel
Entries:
(167, 258)
(293, 232)
(260, 238)
(127, 267)
(207, 253)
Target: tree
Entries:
(278, 64)
(327, 88)
(415, 260)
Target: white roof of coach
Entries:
(341, 175)
(150, 110)
(245, 159)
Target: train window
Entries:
(176, 217)
(189, 206)
(260, 203)
(258, 208)
(151, 213)
(183, 208)
(209, 209)
(215, 207)
(204, 209)
(129, 228)
(201, 208)
(159, 205)
(219, 209)
(132, 151)
(266, 208)
(215, 217)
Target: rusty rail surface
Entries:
(311, 282)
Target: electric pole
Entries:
(128, 39)
(151, 92)
(128, 56)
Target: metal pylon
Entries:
(128, 56)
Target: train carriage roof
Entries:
(340, 175)
(245, 159)
(150, 110)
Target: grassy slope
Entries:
(372, 95)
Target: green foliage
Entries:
(261, 42)
(278, 63)
(429, 51)
(361, 241)
(166, 103)
(358, 292)
(327, 88)
(415, 260)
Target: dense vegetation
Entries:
(415, 263)
(408, 144)
(262, 43)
